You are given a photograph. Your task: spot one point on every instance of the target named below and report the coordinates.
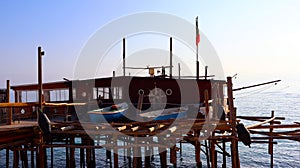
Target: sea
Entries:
(251, 103)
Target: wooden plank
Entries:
(260, 123)
(255, 118)
(17, 104)
(63, 104)
(277, 126)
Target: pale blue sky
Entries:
(257, 39)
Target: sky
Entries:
(256, 39)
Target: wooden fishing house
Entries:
(176, 92)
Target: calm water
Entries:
(286, 153)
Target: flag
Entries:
(197, 32)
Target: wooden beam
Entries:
(260, 123)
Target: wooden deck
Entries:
(18, 125)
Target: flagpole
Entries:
(197, 63)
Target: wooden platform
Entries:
(17, 133)
(18, 125)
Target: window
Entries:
(59, 95)
(74, 93)
(28, 96)
(225, 90)
(117, 93)
(107, 92)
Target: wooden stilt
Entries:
(162, 153)
(271, 142)
(207, 154)
(232, 120)
(173, 157)
(152, 152)
(224, 154)
(163, 158)
(32, 155)
(234, 145)
(67, 154)
(16, 159)
(24, 157)
(82, 161)
(116, 158)
(93, 154)
(40, 154)
(213, 153)
(108, 152)
(45, 157)
(51, 155)
(129, 160)
(72, 153)
(124, 150)
(7, 157)
(137, 159)
(197, 149)
(180, 148)
(147, 157)
(88, 154)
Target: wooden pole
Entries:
(137, 159)
(41, 154)
(7, 158)
(124, 57)
(197, 66)
(271, 142)
(72, 153)
(232, 120)
(108, 152)
(162, 153)
(206, 98)
(234, 143)
(115, 150)
(67, 154)
(173, 157)
(207, 153)
(230, 98)
(82, 160)
(24, 157)
(171, 57)
(179, 69)
(205, 75)
(198, 149)
(129, 152)
(256, 85)
(213, 153)
(32, 154)
(40, 84)
(9, 116)
(16, 159)
(51, 154)
(224, 154)
(147, 157)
